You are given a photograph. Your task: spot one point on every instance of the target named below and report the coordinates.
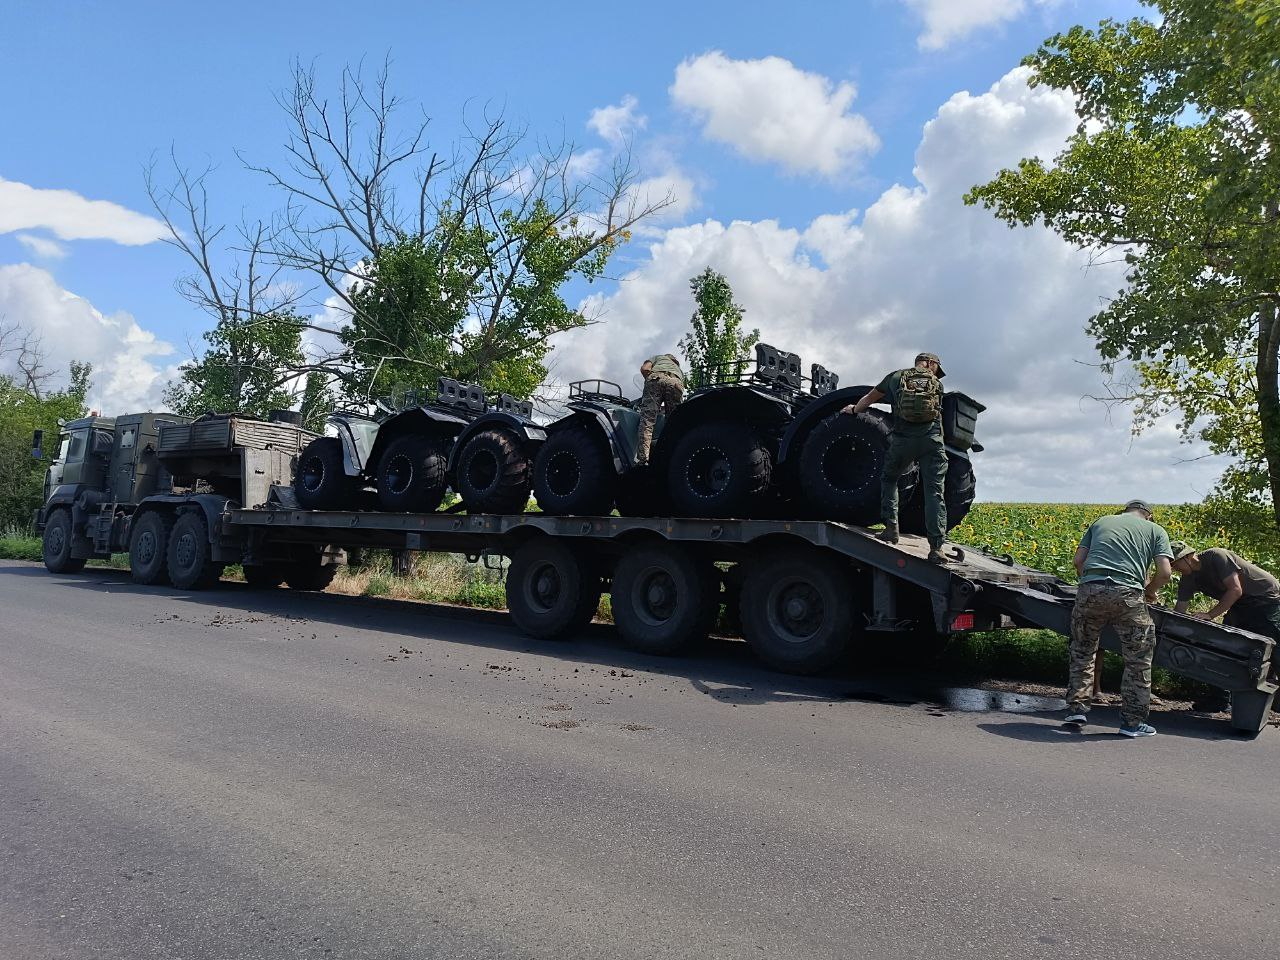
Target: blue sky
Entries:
(95, 90)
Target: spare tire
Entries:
(719, 469)
(958, 494)
(321, 483)
(411, 475)
(841, 464)
(493, 473)
(573, 473)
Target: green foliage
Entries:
(1173, 164)
(23, 411)
(434, 305)
(716, 346)
(250, 367)
(317, 401)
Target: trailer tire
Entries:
(55, 546)
(841, 464)
(573, 473)
(718, 469)
(493, 473)
(321, 482)
(411, 475)
(958, 492)
(551, 590)
(309, 575)
(190, 555)
(149, 547)
(263, 576)
(664, 600)
(797, 609)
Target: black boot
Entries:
(889, 534)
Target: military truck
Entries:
(158, 486)
(418, 448)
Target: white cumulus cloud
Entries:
(130, 365)
(617, 123)
(42, 247)
(771, 110)
(949, 20)
(70, 216)
(862, 293)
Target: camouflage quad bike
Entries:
(588, 462)
(417, 450)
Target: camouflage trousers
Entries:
(1101, 605)
(662, 394)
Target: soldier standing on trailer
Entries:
(1112, 561)
(916, 396)
(663, 391)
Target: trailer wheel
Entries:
(263, 576)
(551, 590)
(56, 544)
(573, 473)
(493, 473)
(149, 547)
(958, 492)
(309, 574)
(718, 469)
(411, 475)
(190, 555)
(840, 468)
(664, 600)
(797, 610)
(321, 482)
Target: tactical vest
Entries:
(919, 396)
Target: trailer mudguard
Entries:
(526, 430)
(64, 495)
(212, 505)
(358, 438)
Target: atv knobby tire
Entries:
(958, 493)
(841, 464)
(573, 473)
(411, 475)
(493, 473)
(321, 483)
(718, 469)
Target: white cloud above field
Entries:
(770, 110)
(862, 292)
(130, 365)
(69, 216)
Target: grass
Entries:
(1040, 535)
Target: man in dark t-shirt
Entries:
(1247, 596)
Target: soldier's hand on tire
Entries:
(847, 408)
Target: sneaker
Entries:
(936, 556)
(889, 534)
(1079, 719)
(1141, 730)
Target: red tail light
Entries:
(963, 622)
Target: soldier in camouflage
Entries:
(1112, 560)
(663, 391)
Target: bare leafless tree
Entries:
(22, 347)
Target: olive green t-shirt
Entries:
(1216, 564)
(891, 387)
(666, 363)
(1122, 548)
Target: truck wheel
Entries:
(411, 475)
(797, 610)
(551, 590)
(958, 492)
(493, 473)
(321, 482)
(718, 469)
(190, 555)
(573, 473)
(840, 467)
(309, 574)
(149, 547)
(264, 576)
(56, 545)
(664, 601)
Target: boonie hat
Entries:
(934, 357)
(1180, 550)
(1137, 505)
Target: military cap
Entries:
(934, 357)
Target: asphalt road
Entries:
(242, 774)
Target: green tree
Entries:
(1174, 166)
(251, 366)
(716, 346)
